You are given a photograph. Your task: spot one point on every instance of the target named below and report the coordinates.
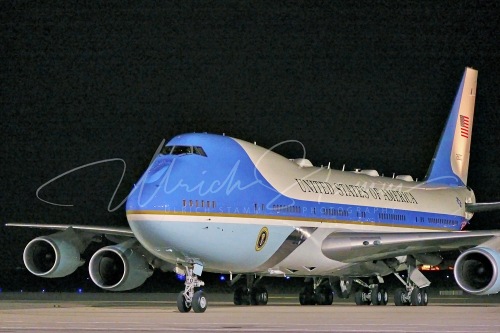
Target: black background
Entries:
(365, 84)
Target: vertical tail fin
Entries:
(450, 164)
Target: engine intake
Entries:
(53, 256)
(119, 267)
(476, 271)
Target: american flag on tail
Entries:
(464, 126)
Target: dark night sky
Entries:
(362, 84)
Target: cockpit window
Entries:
(199, 151)
(180, 150)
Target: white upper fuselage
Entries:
(232, 199)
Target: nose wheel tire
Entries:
(181, 303)
(199, 302)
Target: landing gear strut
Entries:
(252, 294)
(316, 291)
(188, 298)
(415, 291)
(373, 293)
(411, 295)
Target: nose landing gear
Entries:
(189, 299)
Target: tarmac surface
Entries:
(128, 312)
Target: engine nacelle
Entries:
(119, 267)
(53, 256)
(477, 271)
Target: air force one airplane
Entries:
(219, 204)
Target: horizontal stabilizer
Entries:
(482, 207)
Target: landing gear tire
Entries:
(400, 297)
(199, 303)
(360, 299)
(241, 297)
(379, 296)
(384, 296)
(238, 296)
(323, 295)
(259, 296)
(256, 296)
(181, 303)
(417, 297)
(306, 297)
(376, 296)
(425, 297)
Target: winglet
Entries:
(450, 164)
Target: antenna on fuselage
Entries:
(328, 165)
(343, 167)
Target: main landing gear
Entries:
(189, 299)
(414, 296)
(415, 290)
(316, 291)
(411, 294)
(373, 293)
(252, 293)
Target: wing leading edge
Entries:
(353, 247)
(482, 207)
(115, 231)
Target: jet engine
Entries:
(477, 271)
(119, 267)
(53, 256)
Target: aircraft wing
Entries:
(115, 231)
(482, 207)
(354, 247)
